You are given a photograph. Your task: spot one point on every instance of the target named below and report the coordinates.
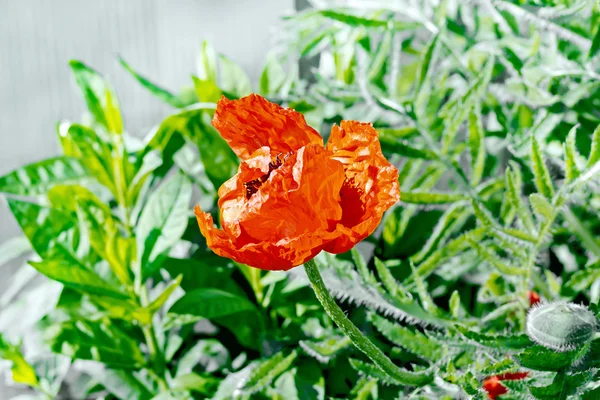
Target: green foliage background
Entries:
(489, 108)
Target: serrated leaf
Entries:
(389, 282)
(500, 341)
(409, 339)
(347, 286)
(540, 171)
(541, 358)
(465, 104)
(571, 169)
(431, 197)
(476, 146)
(496, 262)
(542, 207)
(594, 156)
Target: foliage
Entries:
(489, 110)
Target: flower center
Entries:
(253, 185)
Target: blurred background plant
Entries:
(487, 107)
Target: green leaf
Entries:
(542, 207)
(211, 303)
(388, 280)
(431, 197)
(403, 148)
(94, 153)
(513, 185)
(541, 358)
(122, 384)
(220, 163)
(464, 105)
(364, 389)
(207, 63)
(356, 21)
(164, 218)
(571, 169)
(542, 176)
(501, 341)
(410, 339)
(207, 90)
(233, 80)
(595, 44)
(95, 340)
(272, 77)
(206, 385)
(37, 178)
(595, 150)
(327, 349)
(73, 274)
(162, 298)
(157, 91)
(254, 377)
(496, 262)
(21, 370)
(564, 384)
(476, 146)
(208, 354)
(44, 227)
(99, 98)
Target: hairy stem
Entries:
(359, 340)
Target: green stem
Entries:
(156, 357)
(401, 376)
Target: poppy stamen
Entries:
(253, 185)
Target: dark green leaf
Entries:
(95, 340)
(211, 303)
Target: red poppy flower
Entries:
(292, 197)
(534, 298)
(495, 388)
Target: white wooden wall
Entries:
(159, 38)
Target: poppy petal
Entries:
(370, 186)
(299, 197)
(252, 122)
(281, 255)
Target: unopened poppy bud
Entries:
(561, 326)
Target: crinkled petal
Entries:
(371, 182)
(301, 196)
(282, 255)
(252, 122)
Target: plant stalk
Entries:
(399, 375)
